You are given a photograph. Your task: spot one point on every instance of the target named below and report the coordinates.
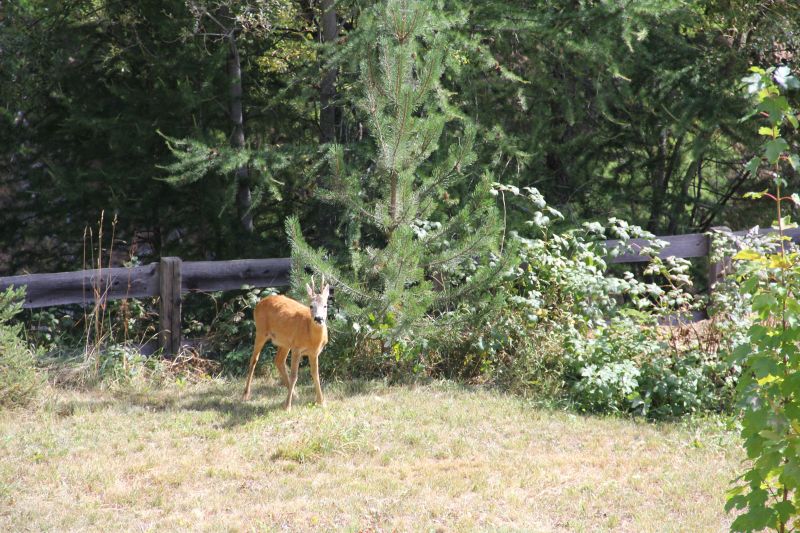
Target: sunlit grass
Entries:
(430, 457)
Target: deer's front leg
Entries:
(296, 356)
(313, 359)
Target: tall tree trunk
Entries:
(329, 32)
(678, 210)
(243, 192)
(328, 111)
(661, 177)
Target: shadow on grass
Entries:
(225, 397)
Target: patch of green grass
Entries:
(438, 456)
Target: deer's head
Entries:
(318, 301)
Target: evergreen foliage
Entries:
(19, 381)
(412, 249)
(585, 101)
(195, 160)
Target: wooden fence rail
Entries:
(170, 278)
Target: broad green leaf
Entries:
(763, 366)
(741, 352)
(768, 132)
(785, 510)
(764, 301)
(774, 106)
(752, 168)
(756, 518)
(736, 501)
(791, 385)
(774, 148)
(791, 474)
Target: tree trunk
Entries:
(661, 178)
(243, 193)
(678, 210)
(328, 111)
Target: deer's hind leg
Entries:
(280, 361)
(261, 339)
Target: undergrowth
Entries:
(19, 380)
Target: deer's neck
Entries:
(320, 330)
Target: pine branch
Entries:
(303, 255)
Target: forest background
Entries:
(202, 125)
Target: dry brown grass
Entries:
(436, 457)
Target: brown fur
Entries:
(290, 327)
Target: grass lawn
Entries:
(436, 457)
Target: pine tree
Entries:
(413, 251)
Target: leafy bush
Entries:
(226, 329)
(628, 366)
(19, 380)
(569, 330)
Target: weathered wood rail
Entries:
(686, 246)
(170, 278)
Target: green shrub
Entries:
(626, 367)
(604, 371)
(570, 331)
(19, 380)
(226, 328)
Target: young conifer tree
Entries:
(419, 219)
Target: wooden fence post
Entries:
(169, 283)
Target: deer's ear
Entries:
(326, 291)
(309, 291)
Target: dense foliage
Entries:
(19, 381)
(570, 331)
(139, 109)
(769, 391)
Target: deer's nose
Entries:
(318, 319)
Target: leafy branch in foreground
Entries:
(769, 387)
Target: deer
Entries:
(292, 327)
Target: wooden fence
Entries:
(170, 278)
